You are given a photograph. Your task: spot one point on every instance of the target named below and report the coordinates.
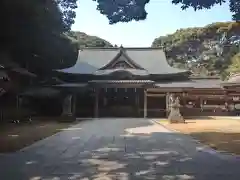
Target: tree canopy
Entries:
(128, 10)
(33, 32)
(85, 40)
(37, 33)
(202, 49)
(234, 67)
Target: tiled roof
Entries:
(40, 92)
(139, 72)
(19, 70)
(103, 83)
(23, 71)
(234, 78)
(71, 85)
(152, 60)
(121, 82)
(14, 67)
(203, 83)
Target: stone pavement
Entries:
(105, 149)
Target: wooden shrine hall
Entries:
(137, 82)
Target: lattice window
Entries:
(121, 64)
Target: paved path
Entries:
(123, 149)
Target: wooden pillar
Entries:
(145, 103)
(184, 94)
(184, 103)
(96, 103)
(17, 108)
(17, 101)
(67, 105)
(201, 103)
(136, 99)
(74, 103)
(137, 94)
(167, 104)
(227, 102)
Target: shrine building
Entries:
(137, 82)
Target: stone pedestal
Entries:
(67, 114)
(175, 115)
(67, 106)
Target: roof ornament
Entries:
(121, 48)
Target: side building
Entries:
(138, 82)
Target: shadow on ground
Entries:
(199, 118)
(14, 137)
(228, 142)
(138, 151)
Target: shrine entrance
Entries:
(120, 102)
(120, 98)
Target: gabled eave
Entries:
(129, 61)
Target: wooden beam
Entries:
(96, 103)
(145, 104)
(205, 96)
(164, 90)
(167, 103)
(156, 95)
(137, 101)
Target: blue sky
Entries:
(163, 18)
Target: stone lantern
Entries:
(175, 115)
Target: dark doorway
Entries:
(85, 104)
(157, 106)
(118, 102)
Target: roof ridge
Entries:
(124, 48)
(234, 75)
(205, 77)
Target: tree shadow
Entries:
(222, 141)
(140, 152)
(199, 118)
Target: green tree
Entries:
(234, 67)
(84, 40)
(128, 10)
(33, 32)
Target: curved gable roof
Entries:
(91, 60)
(153, 60)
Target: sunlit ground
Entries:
(124, 159)
(220, 134)
(123, 149)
